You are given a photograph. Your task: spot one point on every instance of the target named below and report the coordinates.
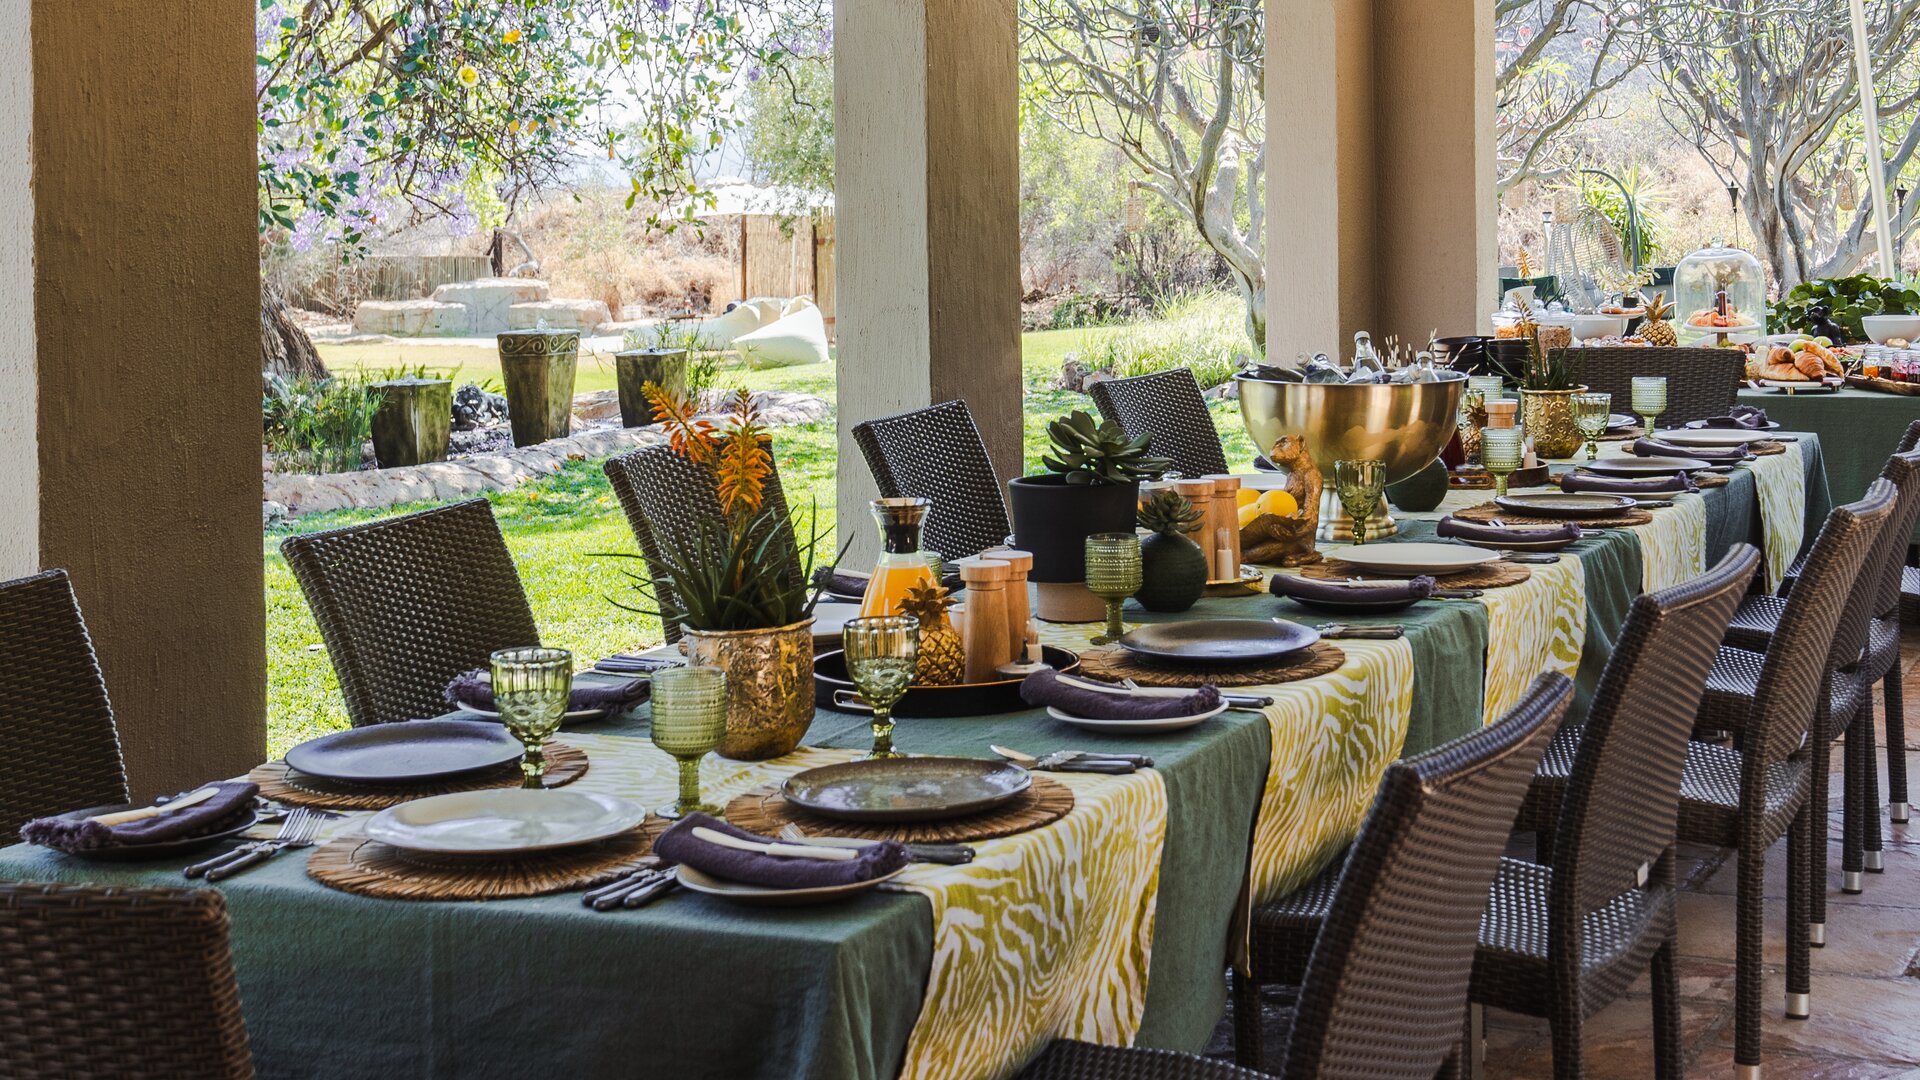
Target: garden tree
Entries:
(1766, 91)
(376, 115)
(1554, 63)
(1176, 86)
(789, 118)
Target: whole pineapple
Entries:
(1173, 569)
(943, 659)
(1657, 330)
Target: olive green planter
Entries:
(537, 367)
(635, 368)
(413, 423)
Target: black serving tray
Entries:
(933, 702)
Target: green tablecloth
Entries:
(1858, 430)
(337, 985)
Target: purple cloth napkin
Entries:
(1462, 529)
(1309, 590)
(475, 688)
(73, 832)
(1594, 483)
(1046, 687)
(678, 844)
(1740, 416)
(1719, 455)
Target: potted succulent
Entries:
(730, 586)
(1173, 569)
(1547, 385)
(1092, 486)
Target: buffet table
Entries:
(1113, 924)
(1857, 429)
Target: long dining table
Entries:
(1115, 923)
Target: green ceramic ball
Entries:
(1423, 490)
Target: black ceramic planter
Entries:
(1053, 519)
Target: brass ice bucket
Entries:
(1402, 424)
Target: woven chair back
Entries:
(118, 982)
(1623, 795)
(406, 603)
(1387, 983)
(58, 747)
(1167, 405)
(936, 453)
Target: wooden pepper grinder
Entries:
(1019, 605)
(985, 637)
(1200, 494)
(1226, 523)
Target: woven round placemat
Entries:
(284, 784)
(765, 811)
(1493, 575)
(1114, 663)
(1487, 511)
(1766, 449)
(370, 868)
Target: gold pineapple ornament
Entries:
(1657, 330)
(943, 659)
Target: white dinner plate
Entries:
(1264, 481)
(1789, 386)
(504, 821)
(1713, 436)
(1413, 559)
(830, 617)
(770, 897)
(1136, 727)
(1652, 465)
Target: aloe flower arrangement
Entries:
(734, 572)
(1545, 369)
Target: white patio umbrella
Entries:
(1876, 164)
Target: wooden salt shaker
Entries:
(1226, 522)
(985, 638)
(1200, 494)
(1019, 605)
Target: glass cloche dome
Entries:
(1719, 289)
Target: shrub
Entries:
(319, 425)
(1199, 330)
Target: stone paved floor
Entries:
(1866, 981)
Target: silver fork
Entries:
(300, 829)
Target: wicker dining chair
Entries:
(1565, 936)
(1866, 651)
(118, 982)
(1167, 405)
(406, 603)
(58, 746)
(1700, 382)
(1384, 982)
(1772, 781)
(937, 453)
(665, 494)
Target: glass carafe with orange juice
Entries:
(902, 564)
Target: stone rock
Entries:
(581, 315)
(597, 407)
(1226, 391)
(409, 318)
(473, 407)
(487, 300)
(1077, 375)
(273, 513)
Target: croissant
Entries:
(1783, 373)
(1829, 362)
(1809, 365)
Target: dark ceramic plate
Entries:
(1219, 641)
(1357, 606)
(906, 789)
(163, 849)
(932, 702)
(1573, 505)
(406, 752)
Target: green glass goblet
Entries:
(689, 720)
(1501, 451)
(1113, 574)
(1649, 399)
(1359, 482)
(1590, 414)
(530, 688)
(881, 651)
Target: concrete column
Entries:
(1381, 208)
(926, 190)
(19, 452)
(146, 289)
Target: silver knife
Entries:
(1382, 632)
(1075, 761)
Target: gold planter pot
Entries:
(769, 686)
(1548, 417)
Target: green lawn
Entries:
(558, 528)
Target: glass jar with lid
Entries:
(1719, 290)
